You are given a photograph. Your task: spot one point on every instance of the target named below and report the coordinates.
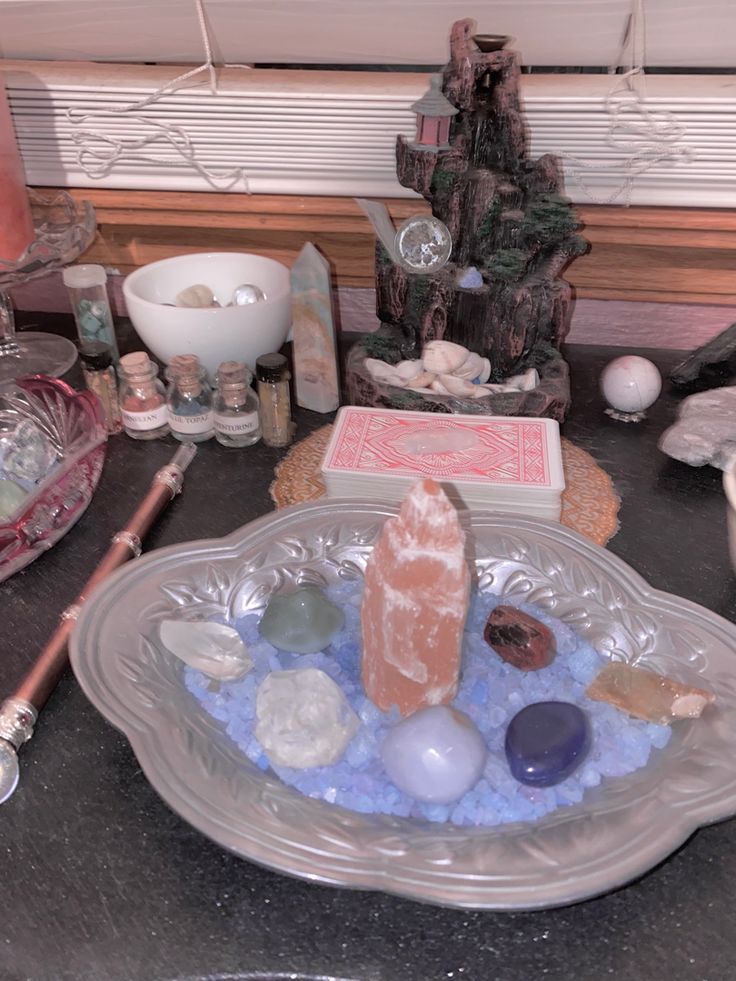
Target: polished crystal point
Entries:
(302, 622)
(415, 601)
(519, 638)
(546, 742)
(212, 648)
(303, 718)
(314, 347)
(647, 695)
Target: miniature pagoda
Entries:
(511, 230)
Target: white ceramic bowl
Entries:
(214, 334)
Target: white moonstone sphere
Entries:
(435, 755)
(631, 384)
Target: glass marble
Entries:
(302, 622)
(246, 294)
(546, 742)
(435, 755)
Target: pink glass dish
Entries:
(74, 424)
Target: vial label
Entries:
(194, 424)
(240, 425)
(150, 419)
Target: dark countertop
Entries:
(102, 882)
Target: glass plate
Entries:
(620, 830)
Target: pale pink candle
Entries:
(16, 224)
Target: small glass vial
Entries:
(237, 421)
(87, 287)
(142, 398)
(99, 376)
(272, 372)
(189, 398)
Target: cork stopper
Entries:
(233, 379)
(186, 371)
(137, 365)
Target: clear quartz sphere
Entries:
(423, 244)
(246, 294)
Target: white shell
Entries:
(212, 648)
(524, 383)
(474, 367)
(383, 372)
(422, 381)
(458, 386)
(408, 369)
(444, 357)
(196, 296)
(437, 386)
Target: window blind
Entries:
(354, 32)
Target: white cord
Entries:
(645, 137)
(98, 152)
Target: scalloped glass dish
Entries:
(73, 424)
(620, 830)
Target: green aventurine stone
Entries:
(302, 622)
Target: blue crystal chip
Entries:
(546, 742)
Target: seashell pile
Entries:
(446, 368)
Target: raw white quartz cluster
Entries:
(446, 368)
(303, 718)
(212, 648)
(705, 431)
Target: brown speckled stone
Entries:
(519, 639)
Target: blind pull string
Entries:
(98, 152)
(645, 138)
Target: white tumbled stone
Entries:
(303, 718)
(212, 648)
(196, 296)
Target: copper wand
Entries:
(19, 712)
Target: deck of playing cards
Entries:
(502, 463)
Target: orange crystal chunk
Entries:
(415, 601)
(647, 695)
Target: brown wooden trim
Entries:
(685, 255)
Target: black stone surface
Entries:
(711, 365)
(100, 881)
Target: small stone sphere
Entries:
(435, 755)
(630, 383)
(246, 294)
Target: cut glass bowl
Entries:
(72, 424)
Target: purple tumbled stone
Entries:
(435, 755)
(546, 742)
